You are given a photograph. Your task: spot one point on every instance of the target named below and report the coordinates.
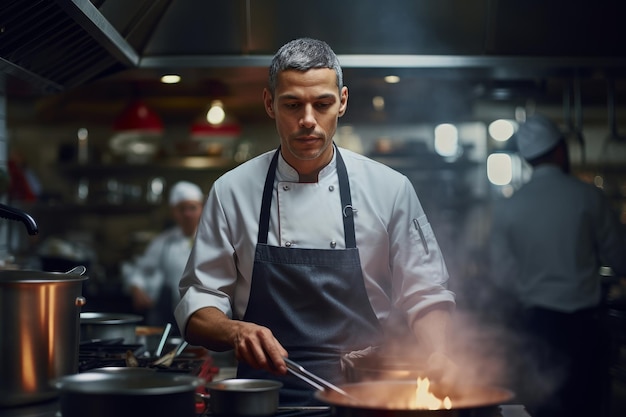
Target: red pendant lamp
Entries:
(138, 117)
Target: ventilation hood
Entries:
(102, 53)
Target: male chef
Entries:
(308, 250)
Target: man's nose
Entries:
(308, 117)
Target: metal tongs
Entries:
(313, 380)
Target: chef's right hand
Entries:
(257, 346)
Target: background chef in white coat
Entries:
(154, 277)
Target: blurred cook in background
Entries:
(548, 244)
(153, 278)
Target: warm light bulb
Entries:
(170, 79)
(216, 114)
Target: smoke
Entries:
(491, 353)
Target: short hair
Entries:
(304, 54)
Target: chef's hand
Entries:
(257, 346)
(443, 374)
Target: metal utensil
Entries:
(315, 381)
(166, 332)
(166, 360)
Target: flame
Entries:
(426, 400)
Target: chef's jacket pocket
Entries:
(423, 233)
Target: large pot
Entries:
(104, 326)
(394, 399)
(39, 332)
(123, 393)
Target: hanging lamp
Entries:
(138, 117)
(138, 130)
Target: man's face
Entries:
(187, 215)
(306, 106)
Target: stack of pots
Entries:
(39, 332)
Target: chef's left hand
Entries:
(443, 374)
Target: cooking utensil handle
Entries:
(166, 332)
(77, 270)
(311, 378)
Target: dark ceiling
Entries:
(85, 60)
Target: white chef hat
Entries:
(185, 191)
(537, 136)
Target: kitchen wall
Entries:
(117, 222)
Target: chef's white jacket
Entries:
(402, 264)
(162, 264)
(550, 239)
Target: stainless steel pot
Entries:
(123, 393)
(243, 397)
(39, 332)
(94, 325)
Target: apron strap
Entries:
(344, 192)
(264, 216)
(346, 202)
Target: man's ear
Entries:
(343, 105)
(268, 102)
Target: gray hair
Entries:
(304, 54)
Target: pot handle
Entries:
(77, 270)
(80, 301)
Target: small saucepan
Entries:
(243, 397)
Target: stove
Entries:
(192, 361)
(112, 353)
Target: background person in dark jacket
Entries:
(549, 241)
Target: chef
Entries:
(549, 241)
(309, 250)
(153, 278)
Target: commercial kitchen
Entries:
(92, 137)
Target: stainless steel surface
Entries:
(116, 49)
(243, 397)
(39, 332)
(102, 325)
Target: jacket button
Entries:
(333, 244)
(331, 188)
(286, 187)
(288, 244)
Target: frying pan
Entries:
(392, 399)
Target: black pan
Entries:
(393, 399)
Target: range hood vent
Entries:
(58, 44)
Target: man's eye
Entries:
(292, 105)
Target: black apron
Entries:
(313, 300)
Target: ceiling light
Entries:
(446, 140)
(392, 79)
(170, 79)
(379, 103)
(216, 113)
(499, 168)
(501, 129)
